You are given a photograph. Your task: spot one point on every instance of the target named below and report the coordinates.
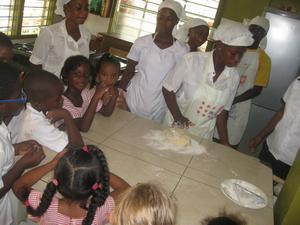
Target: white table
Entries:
(194, 181)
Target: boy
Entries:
(6, 46)
(11, 102)
(44, 91)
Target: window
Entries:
(136, 18)
(25, 17)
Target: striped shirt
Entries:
(78, 112)
(53, 217)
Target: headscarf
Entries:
(261, 21)
(182, 32)
(233, 34)
(175, 6)
(60, 7)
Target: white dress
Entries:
(284, 141)
(7, 154)
(198, 97)
(144, 93)
(54, 45)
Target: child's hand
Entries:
(254, 142)
(57, 114)
(100, 91)
(25, 146)
(121, 101)
(32, 158)
(111, 92)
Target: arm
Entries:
(249, 94)
(171, 102)
(128, 73)
(23, 185)
(118, 184)
(221, 124)
(254, 142)
(30, 159)
(108, 108)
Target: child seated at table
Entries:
(80, 100)
(144, 204)
(11, 102)
(44, 91)
(82, 177)
(224, 219)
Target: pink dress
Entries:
(78, 112)
(53, 217)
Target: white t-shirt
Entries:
(284, 141)
(144, 96)
(35, 125)
(54, 45)
(184, 79)
(7, 154)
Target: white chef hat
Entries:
(182, 32)
(175, 6)
(60, 7)
(261, 21)
(233, 34)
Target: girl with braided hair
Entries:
(82, 177)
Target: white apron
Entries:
(203, 109)
(239, 113)
(144, 93)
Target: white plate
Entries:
(244, 193)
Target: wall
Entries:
(293, 4)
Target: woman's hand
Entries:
(254, 142)
(182, 122)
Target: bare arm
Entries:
(128, 73)
(254, 142)
(118, 184)
(222, 127)
(23, 185)
(249, 94)
(30, 159)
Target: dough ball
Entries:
(177, 138)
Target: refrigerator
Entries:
(283, 47)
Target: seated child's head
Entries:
(107, 70)
(76, 72)
(80, 174)
(6, 46)
(224, 219)
(144, 204)
(12, 98)
(44, 90)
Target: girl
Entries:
(144, 204)
(194, 32)
(59, 41)
(82, 177)
(11, 102)
(81, 101)
(204, 83)
(153, 56)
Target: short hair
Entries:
(5, 41)
(144, 204)
(71, 64)
(225, 218)
(39, 85)
(9, 76)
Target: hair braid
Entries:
(45, 201)
(100, 195)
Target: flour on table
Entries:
(170, 140)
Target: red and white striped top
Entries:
(53, 217)
(78, 112)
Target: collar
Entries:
(211, 69)
(64, 33)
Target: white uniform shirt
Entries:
(34, 125)
(7, 154)
(284, 141)
(54, 45)
(184, 79)
(144, 96)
